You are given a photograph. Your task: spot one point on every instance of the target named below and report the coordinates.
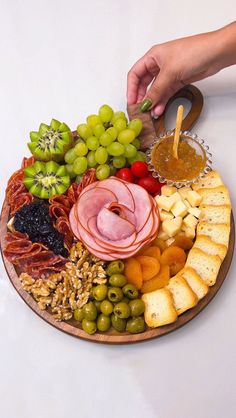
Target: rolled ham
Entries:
(114, 219)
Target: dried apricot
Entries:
(160, 243)
(175, 258)
(133, 272)
(150, 266)
(157, 282)
(183, 242)
(154, 252)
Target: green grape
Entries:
(140, 156)
(118, 115)
(130, 151)
(92, 143)
(98, 130)
(70, 171)
(136, 143)
(126, 136)
(93, 120)
(112, 132)
(84, 130)
(70, 156)
(91, 159)
(136, 125)
(80, 165)
(116, 149)
(120, 124)
(81, 149)
(102, 171)
(105, 112)
(101, 155)
(119, 162)
(105, 139)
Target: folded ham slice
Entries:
(114, 218)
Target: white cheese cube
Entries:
(190, 221)
(165, 215)
(183, 192)
(188, 232)
(164, 202)
(187, 203)
(162, 235)
(169, 241)
(175, 197)
(194, 198)
(179, 209)
(168, 190)
(172, 226)
(195, 212)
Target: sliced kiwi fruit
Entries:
(51, 142)
(45, 180)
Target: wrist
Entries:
(225, 46)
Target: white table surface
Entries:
(64, 59)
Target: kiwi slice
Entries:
(51, 142)
(45, 180)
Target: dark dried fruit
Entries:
(35, 221)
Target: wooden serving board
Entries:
(71, 327)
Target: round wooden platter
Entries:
(71, 327)
(151, 129)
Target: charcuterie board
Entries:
(71, 326)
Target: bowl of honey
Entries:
(193, 162)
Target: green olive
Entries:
(122, 310)
(115, 294)
(89, 326)
(103, 323)
(117, 280)
(130, 291)
(100, 292)
(118, 324)
(135, 325)
(136, 307)
(90, 311)
(79, 315)
(98, 305)
(106, 307)
(115, 267)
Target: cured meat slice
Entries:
(112, 226)
(121, 191)
(89, 204)
(143, 205)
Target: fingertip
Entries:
(158, 110)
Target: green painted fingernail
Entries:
(145, 105)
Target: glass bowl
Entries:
(197, 143)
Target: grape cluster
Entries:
(106, 142)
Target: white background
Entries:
(63, 59)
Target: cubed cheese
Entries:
(183, 192)
(188, 232)
(186, 202)
(190, 221)
(165, 215)
(175, 197)
(169, 241)
(179, 209)
(195, 212)
(164, 202)
(168, 190)
(194, 198)
(162, 235)
(172, 226)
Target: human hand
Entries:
(169, 66)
